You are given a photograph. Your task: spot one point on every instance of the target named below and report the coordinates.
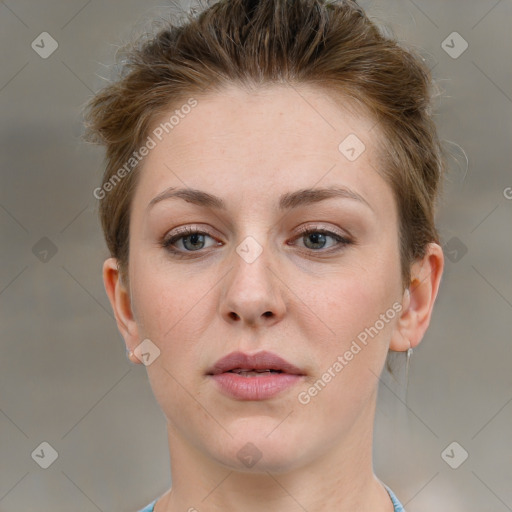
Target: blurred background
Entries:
(66, 388)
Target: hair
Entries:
(332, 45)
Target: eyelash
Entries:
(167, 243)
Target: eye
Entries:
(192, 240)
(316, 238)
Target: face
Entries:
(251, 280)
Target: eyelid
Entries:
(184, 231)
(188, 229)
(304, 229)
(178, 233)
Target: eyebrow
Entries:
(287, 201)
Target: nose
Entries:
(252, 293)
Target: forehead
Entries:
(261, 142)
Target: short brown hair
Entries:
(329, 44)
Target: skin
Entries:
(293, 300)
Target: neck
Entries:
(341, 479)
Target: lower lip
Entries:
(255, 388)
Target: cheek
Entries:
(171, 307)
(166, 299)
(344, 303)
(353, 320)
(177, 310)
(350, 353)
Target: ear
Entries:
(418, 300)
(120, 300)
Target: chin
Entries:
(261, 449)
(249, 459)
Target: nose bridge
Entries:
(252, 291)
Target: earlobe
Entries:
(119, 297)
(418, 301)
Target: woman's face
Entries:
(252, 282)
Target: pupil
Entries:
(194, 239)
(315, 237)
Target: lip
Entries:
(260, 361)
(254, 387)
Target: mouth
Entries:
(253, 373)
(254, 377)
(253, 365)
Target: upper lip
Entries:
(259, 361)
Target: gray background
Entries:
(64, 378)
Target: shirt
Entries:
(398, 506)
